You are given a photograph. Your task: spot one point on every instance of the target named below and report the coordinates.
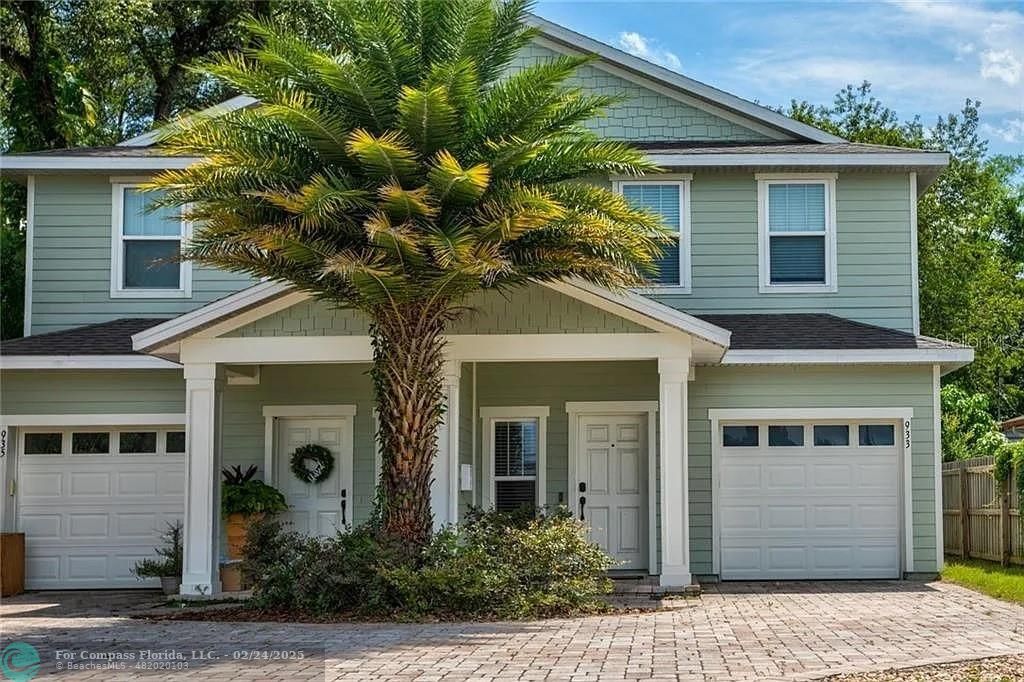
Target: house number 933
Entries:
(906, 433)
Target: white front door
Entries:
(316, 508)
(612, 485)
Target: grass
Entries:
(988, 578)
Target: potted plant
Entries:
(243, 499)
(169, 564)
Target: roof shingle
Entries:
(104, 338)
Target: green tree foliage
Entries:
(970, 237)
(392, 171)
(968, 429)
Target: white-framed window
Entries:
(144, 247)
(515, 459)
(669, 197)
(796, 216)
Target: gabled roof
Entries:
(104, 338)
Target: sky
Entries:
(921, 57)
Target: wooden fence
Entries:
(981, 518)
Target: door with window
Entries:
(94, 500)
(809, 500)
(321, 508)
(612, 485)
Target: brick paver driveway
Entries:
(733, 632)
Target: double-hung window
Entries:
(797, 233)
(669, 198)
(146, 245)
(514, 457)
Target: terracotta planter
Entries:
(231, 576)
(236, 530)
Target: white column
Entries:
(675, 495)
(200, 576)
(444, 488)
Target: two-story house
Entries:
(766, 410)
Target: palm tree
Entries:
(397, 170)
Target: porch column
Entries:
(200, 576)
(444, 488)
(675, 495)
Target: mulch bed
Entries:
(997, 669)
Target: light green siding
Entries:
(644, 114)
(530, 310)
(805, 387)
(92, 392)
(71, 260)
(243, 422)
(873, 245)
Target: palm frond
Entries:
(451, 183)
(383, 156)
(427, 118)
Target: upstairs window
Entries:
(145, 248)
(796, 217)
(670, 200)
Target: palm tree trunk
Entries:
(408, 352)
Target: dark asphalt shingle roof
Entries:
(105, 338)
(797, 331)
(816, 331)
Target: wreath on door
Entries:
(312, 463)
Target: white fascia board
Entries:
(32, 163)
(650, 313)
(653, 71)
(795, 413)
(951, 356)
(99, 419)
(237, 102)
(211, 313)
(85, 362)
(866, 160)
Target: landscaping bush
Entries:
(494, 565)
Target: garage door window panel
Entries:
(876, 435)
(90, 443)
(831, 435)
(137, 443)
(44, 443)
(175, 443)
(740, 436)
(785, 435)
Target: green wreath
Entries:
(312, 463)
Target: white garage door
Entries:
(93, 502)
(808, 501)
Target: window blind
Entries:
(664, 200)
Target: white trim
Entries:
(310, 411)
(915, 291)
(85, 362)
(117, 240)
(940, 546)
(259, 300)
(489, 415)
(208, 314)
(150, 138)
(73, 420)
(765, 286)
(648, 408)
(920, 160)
(804, 415)
(50, 162)
(685, 234)
(273, 412)
(30, 222)
(810, 413)
(898, 356)
(642, 310)
(658, 73)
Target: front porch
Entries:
(583, 434)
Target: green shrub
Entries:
(493, 565)
(251, 497)
(171, 553)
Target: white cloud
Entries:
(1011, 130)
(647, 48)
(1001, 65)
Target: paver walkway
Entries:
(733, 632)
